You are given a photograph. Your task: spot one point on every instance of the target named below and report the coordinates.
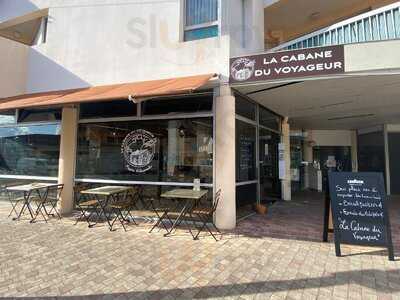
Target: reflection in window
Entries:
(191, 104)
(39, 115)
(245, 108)
(108, 109)
(7, 117)
(159, 150)
(30, 150)
(269, 119)
(245, 152)
(201, 19)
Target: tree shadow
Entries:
(365, 278)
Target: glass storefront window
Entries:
(7, 117)
(30, 150)
(156, 150)
(245, 152)
(108, 109)
(245, 108)
(269, 170)
(189, 104)
(39, 115)
(269, 119)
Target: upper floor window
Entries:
(201, 19)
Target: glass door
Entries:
(270, 187)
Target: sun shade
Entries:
(136, 91)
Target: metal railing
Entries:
(376, 25)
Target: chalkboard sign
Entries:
(359, 210)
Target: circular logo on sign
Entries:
(242, 69)
(138, 149)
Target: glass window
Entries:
(201, 33)
(245, 152)
(269, 119)
(156, 150)
(108, 109)
(192, 104)
(7, 117)
(30, 150)
(245, 108)
(39, 115)
(201, 19)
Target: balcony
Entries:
(376, 25)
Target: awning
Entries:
(136, 91)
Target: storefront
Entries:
(159, 142)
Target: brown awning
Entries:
(136, 90)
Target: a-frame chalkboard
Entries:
(359, 210)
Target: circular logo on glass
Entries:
(242, 69)
(138, 149)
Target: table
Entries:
(28, 189)
(110, 192)
(189, 196)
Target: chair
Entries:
(159, 208)
(50, 197)
(84, 204)
(206, 216)
(122, 208)
(14, 201)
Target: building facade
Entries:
(209, 89)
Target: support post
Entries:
(286, 182)
(66, 165)
(225, 159)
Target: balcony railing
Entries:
(376, 25)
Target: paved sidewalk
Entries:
(257, 261)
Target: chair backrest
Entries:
(54, 191)
(216, 200)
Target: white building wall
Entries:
(96, 42)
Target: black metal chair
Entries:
(122, 208)
(13, 199)
(50, 197)
(206, 216)
(158, 206)
(85, 205)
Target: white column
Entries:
(225, 159)
(286, 182)
(66, 165)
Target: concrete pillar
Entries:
(286, 181)
(354, 155)
(225, 159)
(66, 165)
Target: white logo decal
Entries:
(242, 68)
(138, 149)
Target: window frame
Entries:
(199, 26)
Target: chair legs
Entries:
(161, 220)
(205, 220)
(122, 218)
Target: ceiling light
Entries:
(314, 15)
(351, 117)
(17, 34)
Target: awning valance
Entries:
(136, 91)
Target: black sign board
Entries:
(287, 64)
(359, 210)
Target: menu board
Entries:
(246, 157)
(359, 210)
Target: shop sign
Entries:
(359, 210)
(138, 149)
(287, 64)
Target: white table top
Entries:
(30, 186)
(184, 194)
(107, 190)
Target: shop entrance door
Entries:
(270, 187)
